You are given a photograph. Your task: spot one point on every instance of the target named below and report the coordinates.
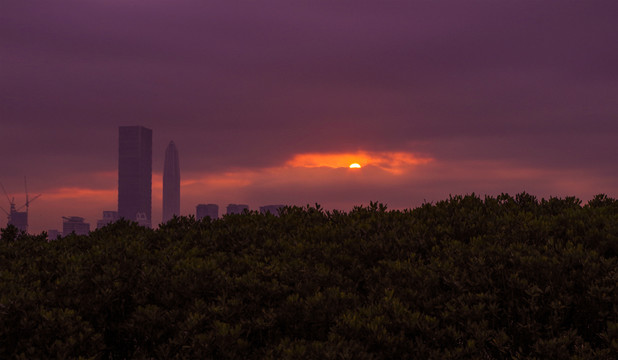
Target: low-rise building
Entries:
(53, 234)
(273, 209)
(210, 210)
(108, 218)
(74, 224)
(236, 208)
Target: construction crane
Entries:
(11, 204)
(15, 216)
(28, 201)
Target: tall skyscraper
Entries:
(135, 173)
(171, 183)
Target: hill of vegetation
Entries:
(485, 278)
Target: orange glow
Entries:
(393, 162)
(107, 174)
(76, 192)
(355, 166)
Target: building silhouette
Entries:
(142, 219)
(273, 209)
(236, 208)
(210, 210)
(108, 218)
(135, 174)
(74, 224)
(171, 183)
(18, 219)
(53, 234)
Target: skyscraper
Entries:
(171, 183)
(135, 173)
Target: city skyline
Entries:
(135, 180)
(269, 103)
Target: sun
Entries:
(355, 166)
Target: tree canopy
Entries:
(468, 277)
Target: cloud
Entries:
(336, 187)
(83, 194)
(393, 162)
(270, 101)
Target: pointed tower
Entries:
(171, 183)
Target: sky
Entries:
(268, 102)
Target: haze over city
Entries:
(270, 102)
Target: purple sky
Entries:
(496, 96)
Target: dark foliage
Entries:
(494, 278)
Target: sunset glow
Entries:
(316, 105)
(80, 193)
(393, 162)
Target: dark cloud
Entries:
(248, 84)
